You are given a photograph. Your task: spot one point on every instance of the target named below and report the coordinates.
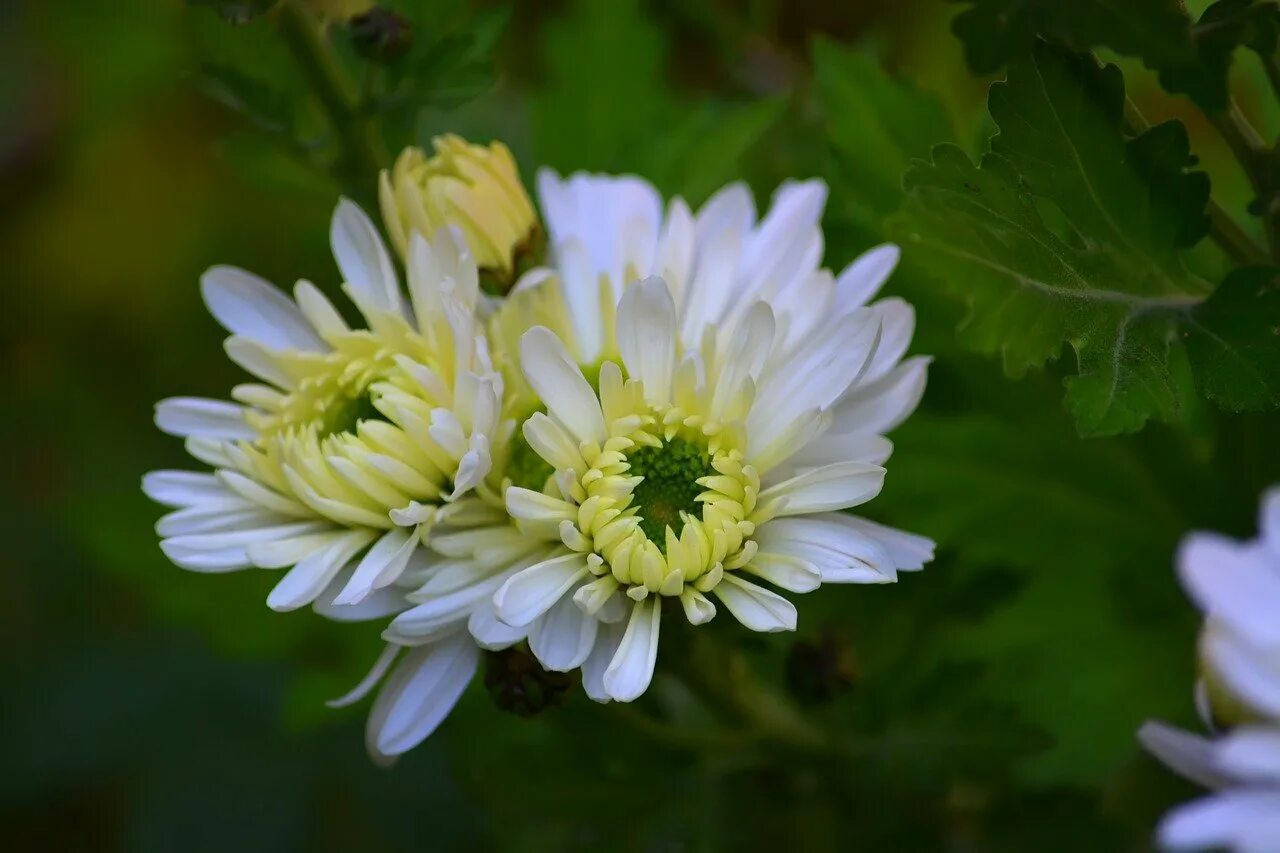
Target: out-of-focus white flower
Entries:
(473, 188)
(1237, 585)
(700, 401)
(355, 443)
(1243, 813)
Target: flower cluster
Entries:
(669, 414)
(1237, 585)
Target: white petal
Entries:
(380, 666)
(756, 607)
(383, 563)
(631, 668)
(441, 613)
(863, 278)
(378, 604)
(257, 359)
(363, 259)
(838, 486)
(898, 324)
(250, 306)
(597, 663)
(646, 328)
(529, 593)
(1187, 754)
(197, 416)
(832, 544)
(490, 632)
(731, 207)
(184, 488)
(563, 637)
(305, 581)
(1246, 821)
(421, 691)
(1251, 752)
(1238, 584)
(557, 380)
(879, 406)
(908, 551)
(1249, 671)
(790, 573)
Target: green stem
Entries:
(1227, 233)
(362, 156)
(724, 679)
(1250, 151)
(1223, 228)
(1272, 67)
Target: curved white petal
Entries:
(422, 690)
(631, 668)
(838, 486)
(646, 329)
(1238, 584)
(305, 581)
(252, 307)
(1187, 754)
(862, 279)
(556, 378)
(563, 637)
(529, 593)
(756, 607)
(363, 259)
(1243, 820)
(203, 418)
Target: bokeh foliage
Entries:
(988, 703)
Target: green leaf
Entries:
(993, 31)
(265, 108)
(1068, 232)
(1083, 630)
(1234, 341)
(705, 150)
(877, 125)
(1225, 26)
(604, 97)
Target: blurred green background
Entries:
(993, 697)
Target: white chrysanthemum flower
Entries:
(1237, 585)
(356, 442)
(702, 430)
(1243, 768)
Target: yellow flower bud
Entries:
(471, 187)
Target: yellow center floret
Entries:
(353, 438)
(665, 506)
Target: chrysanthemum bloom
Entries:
(1237, 584)
(469, 187)
(355, 443)
(691, 437)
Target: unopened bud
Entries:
(473, 188)
(381, 34)
(519, 684)
(818, 670)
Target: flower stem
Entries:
(1250, 151)
(723, 678)
(1223, 229)
(362, 156)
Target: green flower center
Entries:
(670, 486)
(344, 413)
(526, 468)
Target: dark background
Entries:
(144, 708)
